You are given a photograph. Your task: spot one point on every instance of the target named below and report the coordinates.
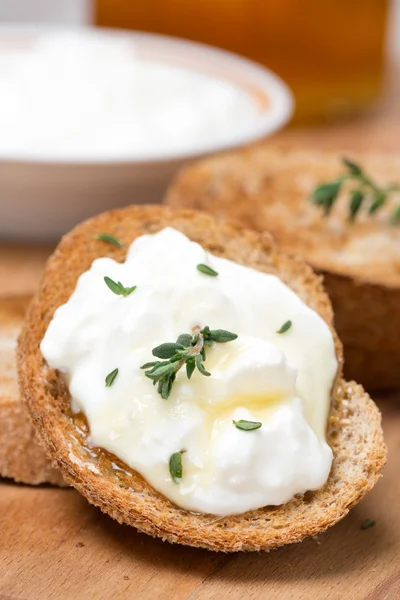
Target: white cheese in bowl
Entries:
(80, 95)
(277, 377)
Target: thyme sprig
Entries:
(118, 288)
(366, 192)
(189, 350)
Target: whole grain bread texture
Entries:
(21, 456)
(354, 434)
(267, 189)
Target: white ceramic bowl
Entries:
(42, 197)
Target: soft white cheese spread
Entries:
(282, 380)
(90, 95)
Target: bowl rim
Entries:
(280, 96)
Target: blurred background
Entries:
(339, 58)
(332, 54)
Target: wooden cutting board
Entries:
(53, 544)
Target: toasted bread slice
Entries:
(355, 433)
(21, 456)
(267, 190)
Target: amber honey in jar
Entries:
(330, 52)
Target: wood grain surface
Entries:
(53, 544)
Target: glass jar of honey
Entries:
(330, 52)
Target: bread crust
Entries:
(21, 456)
(266, 189)
(355, 432)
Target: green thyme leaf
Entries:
(285, 327)
(221, 336)
(165, 386)
(379, 200)
(326, 194)
(148, 365)
(111, 378)
(190, 367)
(356, 199)
(185, 340)
(160, 370)
(395, 218)
(353, 167)
(175, 466)
(167, 350)
(247, 425)
(367, 523)
(114, 287)
(200, 366)
(118, 288)
(207, 270)
(105, 237)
